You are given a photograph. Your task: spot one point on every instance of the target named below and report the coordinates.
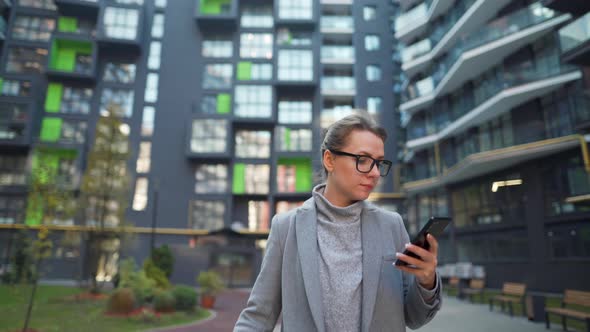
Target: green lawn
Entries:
(52, 312)
(549, 303)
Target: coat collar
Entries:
(307, 246)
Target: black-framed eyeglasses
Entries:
(365, 164)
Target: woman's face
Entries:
(351, 184)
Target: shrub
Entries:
(153, 272)
(163, 259)
(210, 282)
(122, 301)
(164, 301)
(186, 297)
(138, 281)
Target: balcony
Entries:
(575, 41)
(337, 55)
(338, 86)
(462, 19)
(414, 22)
(487, 162)
(575, 7)
(68, 26)
(215, 14)
(337, 25)
(15, 124)
(72, 59)
(78, 8)
(498, 96)
(482, 50)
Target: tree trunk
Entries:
(32, 297)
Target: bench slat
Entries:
(576, 297)
(511, 288)
(569, 312)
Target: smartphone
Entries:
(434, 226)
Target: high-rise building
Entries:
(223, 103)
(495, 117)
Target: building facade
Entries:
(223, 103)
(495, 123)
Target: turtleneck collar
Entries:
(333, 213)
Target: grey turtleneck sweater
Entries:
(341, 254)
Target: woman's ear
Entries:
(328, 160)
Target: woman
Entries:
(329, 263)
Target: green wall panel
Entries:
(223, 103)
(239, 183)
(53, 98)
(244, 71)
(63, 53)
(212, 7)
(51, 129)
(303, 172)
(67, 24)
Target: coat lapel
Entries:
(307, 246)
(371, 264)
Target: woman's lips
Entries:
(368, 186)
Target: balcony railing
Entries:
(497, 29)
(486, 89)
(575, 33)
(337, 23)
(338, 83)
(415, 50)
(337, 53)
(418, 13)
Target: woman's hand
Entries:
(424, 268)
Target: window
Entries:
(121, 23)
(253, 101)
(569, 241)
(252, 144)
(219, 47)
(147, 121)
(120, 99)
(119, 72)
(13, 170)
(207, 214)
(295, 111)
(215, 104)
(161, 3)
(154, 57)
(151, 88)
(258, 216)
(294, 175)
(369, 13)
(373, 73)
(251, 178)
(288, 139)
(218, 76)
(26, 60)
(73, 132)
(374, 105)
(140, 199)
(32, 28)
(566, 184)
(12, 209)
(211, 179)
(44, 4)
(256, 45)
(76, 100)
(9, 113)
(286, 37)
(371, 42)
(254, 71)
(16, 88)
(296, 10)
(144, 157)
(295, 65)
(257, 16)
(129, 2)
(209, 136)
(158, 26)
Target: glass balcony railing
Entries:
(412, 16)
(338, 83)
(419, 89)
(449, 20)
(2, 28)
(415, 50)
(504, 26)
(336, 23)
(338, 53)
(487, 87)
(575, 33)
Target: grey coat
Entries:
(289, 277)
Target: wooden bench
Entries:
(511, 293)
(476, 286)
(453, 284)
(571, 297)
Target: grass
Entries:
(550, 302)
(52, 312)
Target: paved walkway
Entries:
(455, 315)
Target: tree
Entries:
(41, 249)
(104, 193)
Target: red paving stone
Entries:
(228, 306)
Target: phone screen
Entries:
(434, 226)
